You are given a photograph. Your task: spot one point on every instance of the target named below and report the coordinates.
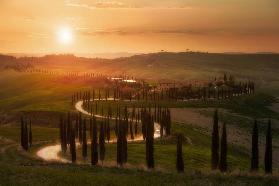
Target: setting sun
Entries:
(65, 35)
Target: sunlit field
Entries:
(42, 94)
(128, 92)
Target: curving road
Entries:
(51, 152)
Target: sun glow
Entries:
(65, 35)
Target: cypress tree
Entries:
(124, 139)
(94, 143)
(143, 123)
(30, 134)
(215, 142)
(120, 143)
(102, 142)
(223, 154)
(108, 130)
(255, 148)
(84, 141)
(25, 136)
(77, 124)
(80, 129)
(90, 128)
(68, 129)
(96, 107)
(179, 154)
(136, 126)
(168, 127)
(63, 136)
(22, 131)
(149, 142)
(116, 126)
(73, 145)
(268, 150)
(61, 131)
(131, 130)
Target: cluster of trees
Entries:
(114, 93)
(25, 133)
(220, 161)
(73, 128)
(142, 91)
(160, 114)
(212, 91)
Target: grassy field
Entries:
(43, 97)
(20, 168)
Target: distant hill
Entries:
(262, 68)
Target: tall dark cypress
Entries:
(22, 131)
(223, 154)
(255, 148)
(125, 142)
(116, 128)
(94, 143)
(179, 154)
(136, 126)
(68, 129)
(73, 144)
(84, 141)
(76, 124)
(120, 143)
(61, 131)
(25, 136)
(80, 129)
(268, 150)
(63, 136)
(149, 142)
(131, 130)
(215, 142)
(90, 128)
(30, 139)
(143, 123)
(108, 129)
(102, 142)
(168, 127)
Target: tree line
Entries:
(74, 127)
(171, 93)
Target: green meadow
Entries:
(44, 97)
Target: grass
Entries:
(85, 175)
(197, 152)
(20, 168)
(23, 92)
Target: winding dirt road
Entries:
(51, 152)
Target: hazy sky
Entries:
(33, 26)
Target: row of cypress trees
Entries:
(173, 92)
(160, 115)
(67, 129)
(25, 133)
(221, 161)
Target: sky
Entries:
(136, 26)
